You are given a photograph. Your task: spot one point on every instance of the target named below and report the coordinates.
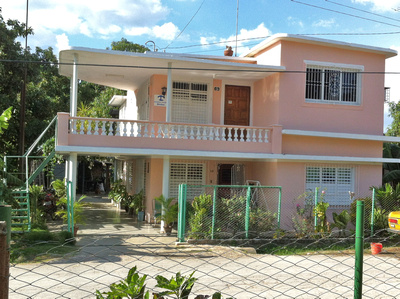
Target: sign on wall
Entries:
(160, 100)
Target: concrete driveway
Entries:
(111, 243)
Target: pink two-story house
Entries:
(295, 111)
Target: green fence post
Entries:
(315, 206)
(214, 211)
(247, 219)
(182, 212)
(279, 207)
(372, 211)
(359, 250)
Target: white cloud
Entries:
(381, 5)
(166, 31)
(324, 23)
(245, 36)
(62, 42)
(295, 22)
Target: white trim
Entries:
(319, 41)
(341, 135)
(334, 65)
(112, 151)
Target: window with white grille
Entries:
(335, 181)
(330, 84)
(186, 173)
(190, 102)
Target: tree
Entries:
(394, 112)
(125, 45)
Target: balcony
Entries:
(79, 132)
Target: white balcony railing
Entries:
(147, 129)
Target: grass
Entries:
(40, 245)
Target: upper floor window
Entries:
(333, 84)
(190, 102)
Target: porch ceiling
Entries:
(127, 70)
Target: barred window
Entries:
(186, 173)
(333, 84)
(190, 102)
(336, 181)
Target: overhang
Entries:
(128, 70)
(317, 41)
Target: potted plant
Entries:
(139, 205)
(169, 214)
(78, 206)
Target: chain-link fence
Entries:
(218, 212)
(283, 264)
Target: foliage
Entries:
(62, 210)
(320, 211)
(200, 217)
(125, 45)
(39, 245)
(6, 196)
(118, 192)
(235, 211)
(262, 221)
(380, 219)
(368, 209)
(388, 197)
(341, 220)
(303, 221)
(36, 193)
(138, 201)
(391, 172)
(169, 210)
(4, 118)
(180, 286)
(132, 287)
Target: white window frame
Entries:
(335, 180)
(341, 69)
(186, 110)
(186, 178)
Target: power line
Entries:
(344, 13)
(302, 34)
(362, 10)
(180, 68)
(185, 26)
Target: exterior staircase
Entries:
(20, 216)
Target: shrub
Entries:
(200, 217)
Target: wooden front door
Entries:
(237, 105)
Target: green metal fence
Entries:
(225, 211)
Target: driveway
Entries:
(111, 243)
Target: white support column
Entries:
(74, 88)
(169, 93)
(72, 172)
(165, 184)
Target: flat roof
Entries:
(318, 41)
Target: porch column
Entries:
(72, 166)
(169, 93)
(74, 88)
(165, 184)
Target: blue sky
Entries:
(207, 26)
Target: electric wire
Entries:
(344, 13)
(185, 26)
(180, 68)
(362, 10)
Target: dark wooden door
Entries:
(237, 105)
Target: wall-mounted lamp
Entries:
(164, 91)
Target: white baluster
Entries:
(72, 125)
(235, 134)
(96, 127)
(146, 130)
(211, 133)
(160, 131)
(185, 132)
(179, 133)
(118, 131)
(198, 132)
(266, 139)
(152, 131)
(89, 127)
(191, 132)
(205, 137)
(103, 128)
(260, 139)
(139, 130)
(254, 139)
(248, 135)
(216, 134)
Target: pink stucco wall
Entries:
(281, 98)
